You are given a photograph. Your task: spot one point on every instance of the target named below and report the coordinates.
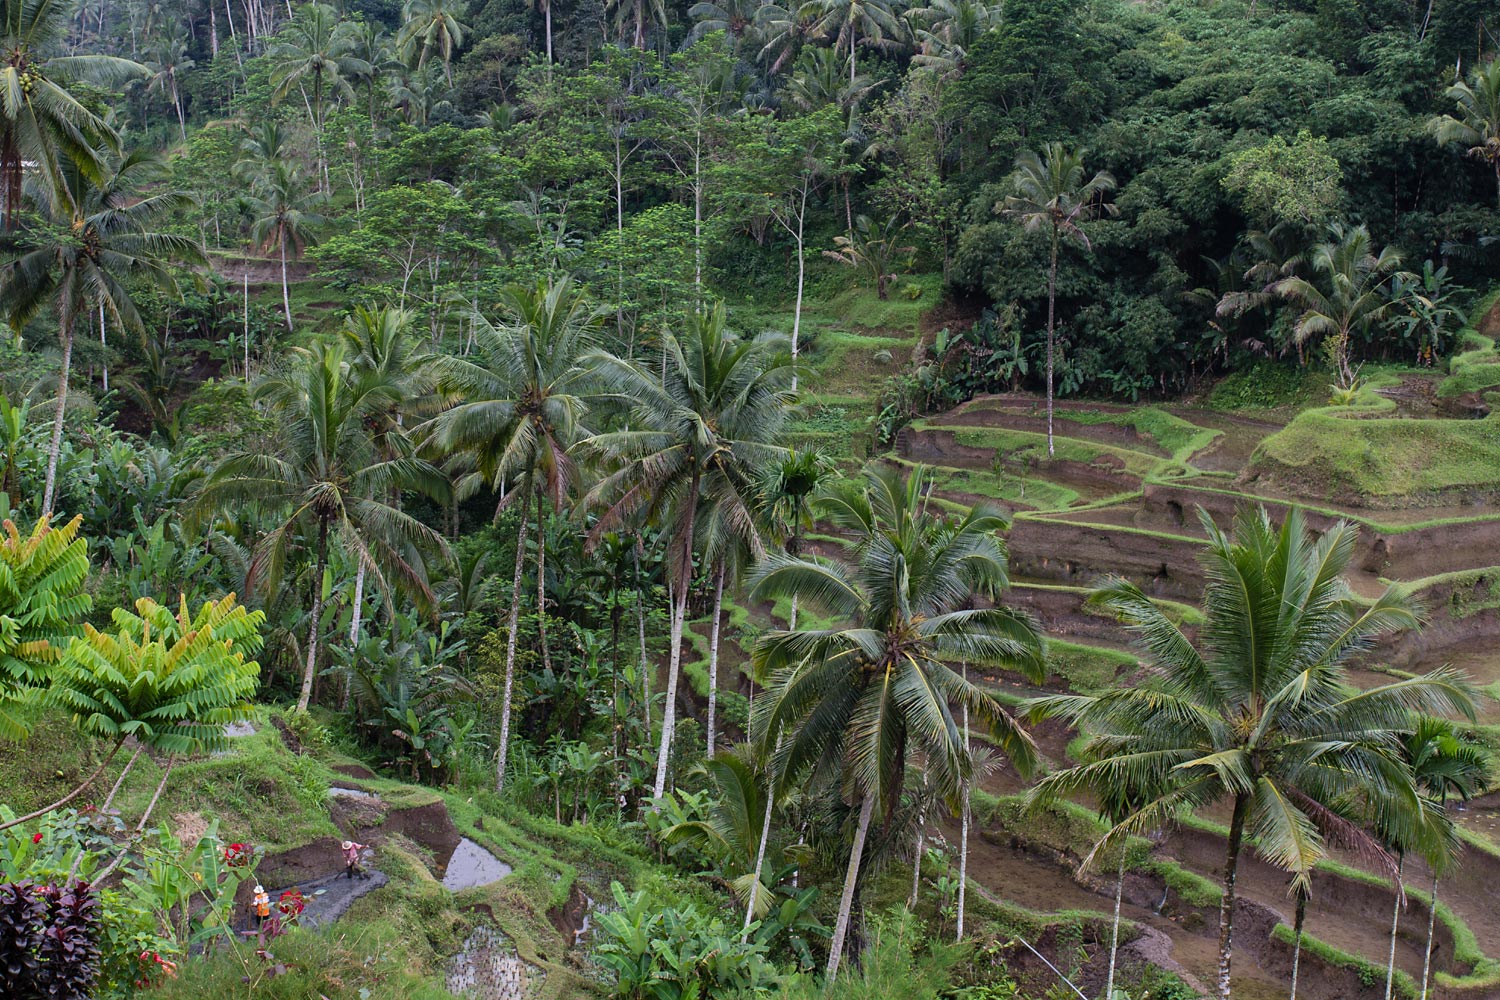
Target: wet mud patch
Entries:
(489, 968)
(469, 866)
(574, 919)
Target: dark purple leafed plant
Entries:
(48, 940)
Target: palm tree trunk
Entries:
(1431, 927)
(317, 612)
(801, 278)
(1390, 966)
(510, 656)
(713, 658)
(916, 864)
(103, 349)
(354, 622)
(54, 448)
(1297, 938)
(765, 835)
(286, 295)
(177, 103)
(547, 16)
(679, 614)
(640, 628)
(541, 585)
(1114, 931)
(1051, 317)
(1226, 903)
(963, 836)
(851, 879)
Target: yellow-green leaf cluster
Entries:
(171, 681)
(42, 577)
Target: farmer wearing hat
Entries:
(261, 904)
(351, 857)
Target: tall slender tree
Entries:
(519, 403)
(1261, 715)
(858, 698)
(1476, 126)
(432, 29)
(328, 486)
(1053, 197)
(92, 248)
(314, 56)
(701, 430)
(285, 219)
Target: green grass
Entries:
(1026, 446)
(1086, 669)
(997, 484)
(1477, 366)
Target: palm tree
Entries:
(43, 127)
(330, 486)
(782, 31)
(313, 55)
(947, 30)
(635, 16)
(857, 697)
(1052, 195)
(787, 492)
(520, 404)
(735, 18)
(848, 22)
(545, 7)
(432, 27)
(168, 58)
(370, 45)
(1476, 127)
(389, 363)
(94, 248)
(1261, 715)
(818, 80)
(1346, 293)
(871, 247)
(261, 148)
(700, 433)
(1442, 764)
(284, 217)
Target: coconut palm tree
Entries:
(1345, 292)
(700, 432)
(849, 22)
(93, 249)
(782, 30)
(169, 58)
(284, 214)
(1442, 764)
(432, 28)
(1052, 196)
(519, 404)
(393, 366)
(635, 17)
(329, 487)
(313, 55)
(1476, 126)
(43, 127)
(735, 18)
(947, 30)
(1261, 714)
(370, 45)
(863, 697)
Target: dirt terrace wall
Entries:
(1122, 435)
(1104, 477)
(1079, 554)
(1407, 555)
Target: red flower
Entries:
(36, 838)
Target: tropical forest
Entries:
(750, 499)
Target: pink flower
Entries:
(36, 838)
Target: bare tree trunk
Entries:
(1226, 903)
(541, 585)
(1431, 926)
(765, 835)
(510, 656)
(1390, 967)
(713, 657)
(1114, 935)
(310, 669)
(54, 448)
(851, 879)
(963, 835)
(286, 295)
(114, 789)
(1051, 315)
(1297, 938)
(801, 281)
(679, 615)
(354, 622)
(640, 627)
(103, 349)
(71, 795)
(156, 795)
